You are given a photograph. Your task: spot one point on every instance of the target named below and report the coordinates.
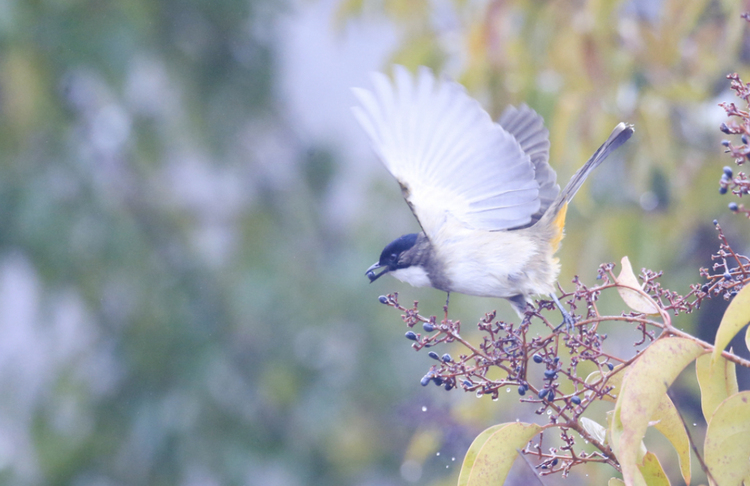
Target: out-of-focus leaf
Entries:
(346, 10)
(716, 382)
(643, 387)
(595, 428)
(735, 318)
(615, 482)
(652, 471)
(635, 299)
(727, 443)
(492, 453)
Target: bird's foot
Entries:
(568, 320)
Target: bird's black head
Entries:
(391, 257)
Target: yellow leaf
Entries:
(652, 471)
(727, 443)
(492, 453)
(643, 388)
(666, 420)
(735, 318)
(716, 383)
(631, 292)
(615, 482)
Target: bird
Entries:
(487, 201)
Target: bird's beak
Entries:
(370, 273)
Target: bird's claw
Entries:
(568, 321)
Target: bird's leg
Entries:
(567, 319)
(445, 309)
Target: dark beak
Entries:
(370, 273)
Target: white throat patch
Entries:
(415, 276)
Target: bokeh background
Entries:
(187, 208)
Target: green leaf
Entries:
(643, 388)
(716, 382)
(632, 293)
(492, 453)
(727, 443)
(735, 318)
(652, 471)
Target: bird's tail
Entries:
(619, 136)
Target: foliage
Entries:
(546, 366)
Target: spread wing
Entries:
(528, 127)
(447, 154)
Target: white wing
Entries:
(447, 153)
(528, 127)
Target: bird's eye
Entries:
(394, 256)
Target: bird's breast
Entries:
(495, 264)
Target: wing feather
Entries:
(447, 153)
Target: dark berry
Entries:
(723, 190)
(725, 143)
(467, 383)
(575, 400)
(724, 128)
(557, 358)
(704, 289)
(554, 462)
(426, 379)
(733, 206)
(543, 393)
(728, 171)
(716, 222)
(438, 380)
(383, 299)
(550, 374)
(447, 358)
(411, 335)
(522, 390)
(551, 395)
(428, 327)
(727, 276)
(448, 387)
(744, 139)
(610, 366)
(538, 359)
(433, 355)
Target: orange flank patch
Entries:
(559, 226)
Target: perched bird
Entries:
(491, 212)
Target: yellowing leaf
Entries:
(643, 388)
(615, 482)
(492, 453)
(716, 383)
(727, 444)
(652, 471)
(630, 290)
(666, 420)
(671, 426)
(735, 318)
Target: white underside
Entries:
(415, 276)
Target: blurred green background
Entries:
(187, 209)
